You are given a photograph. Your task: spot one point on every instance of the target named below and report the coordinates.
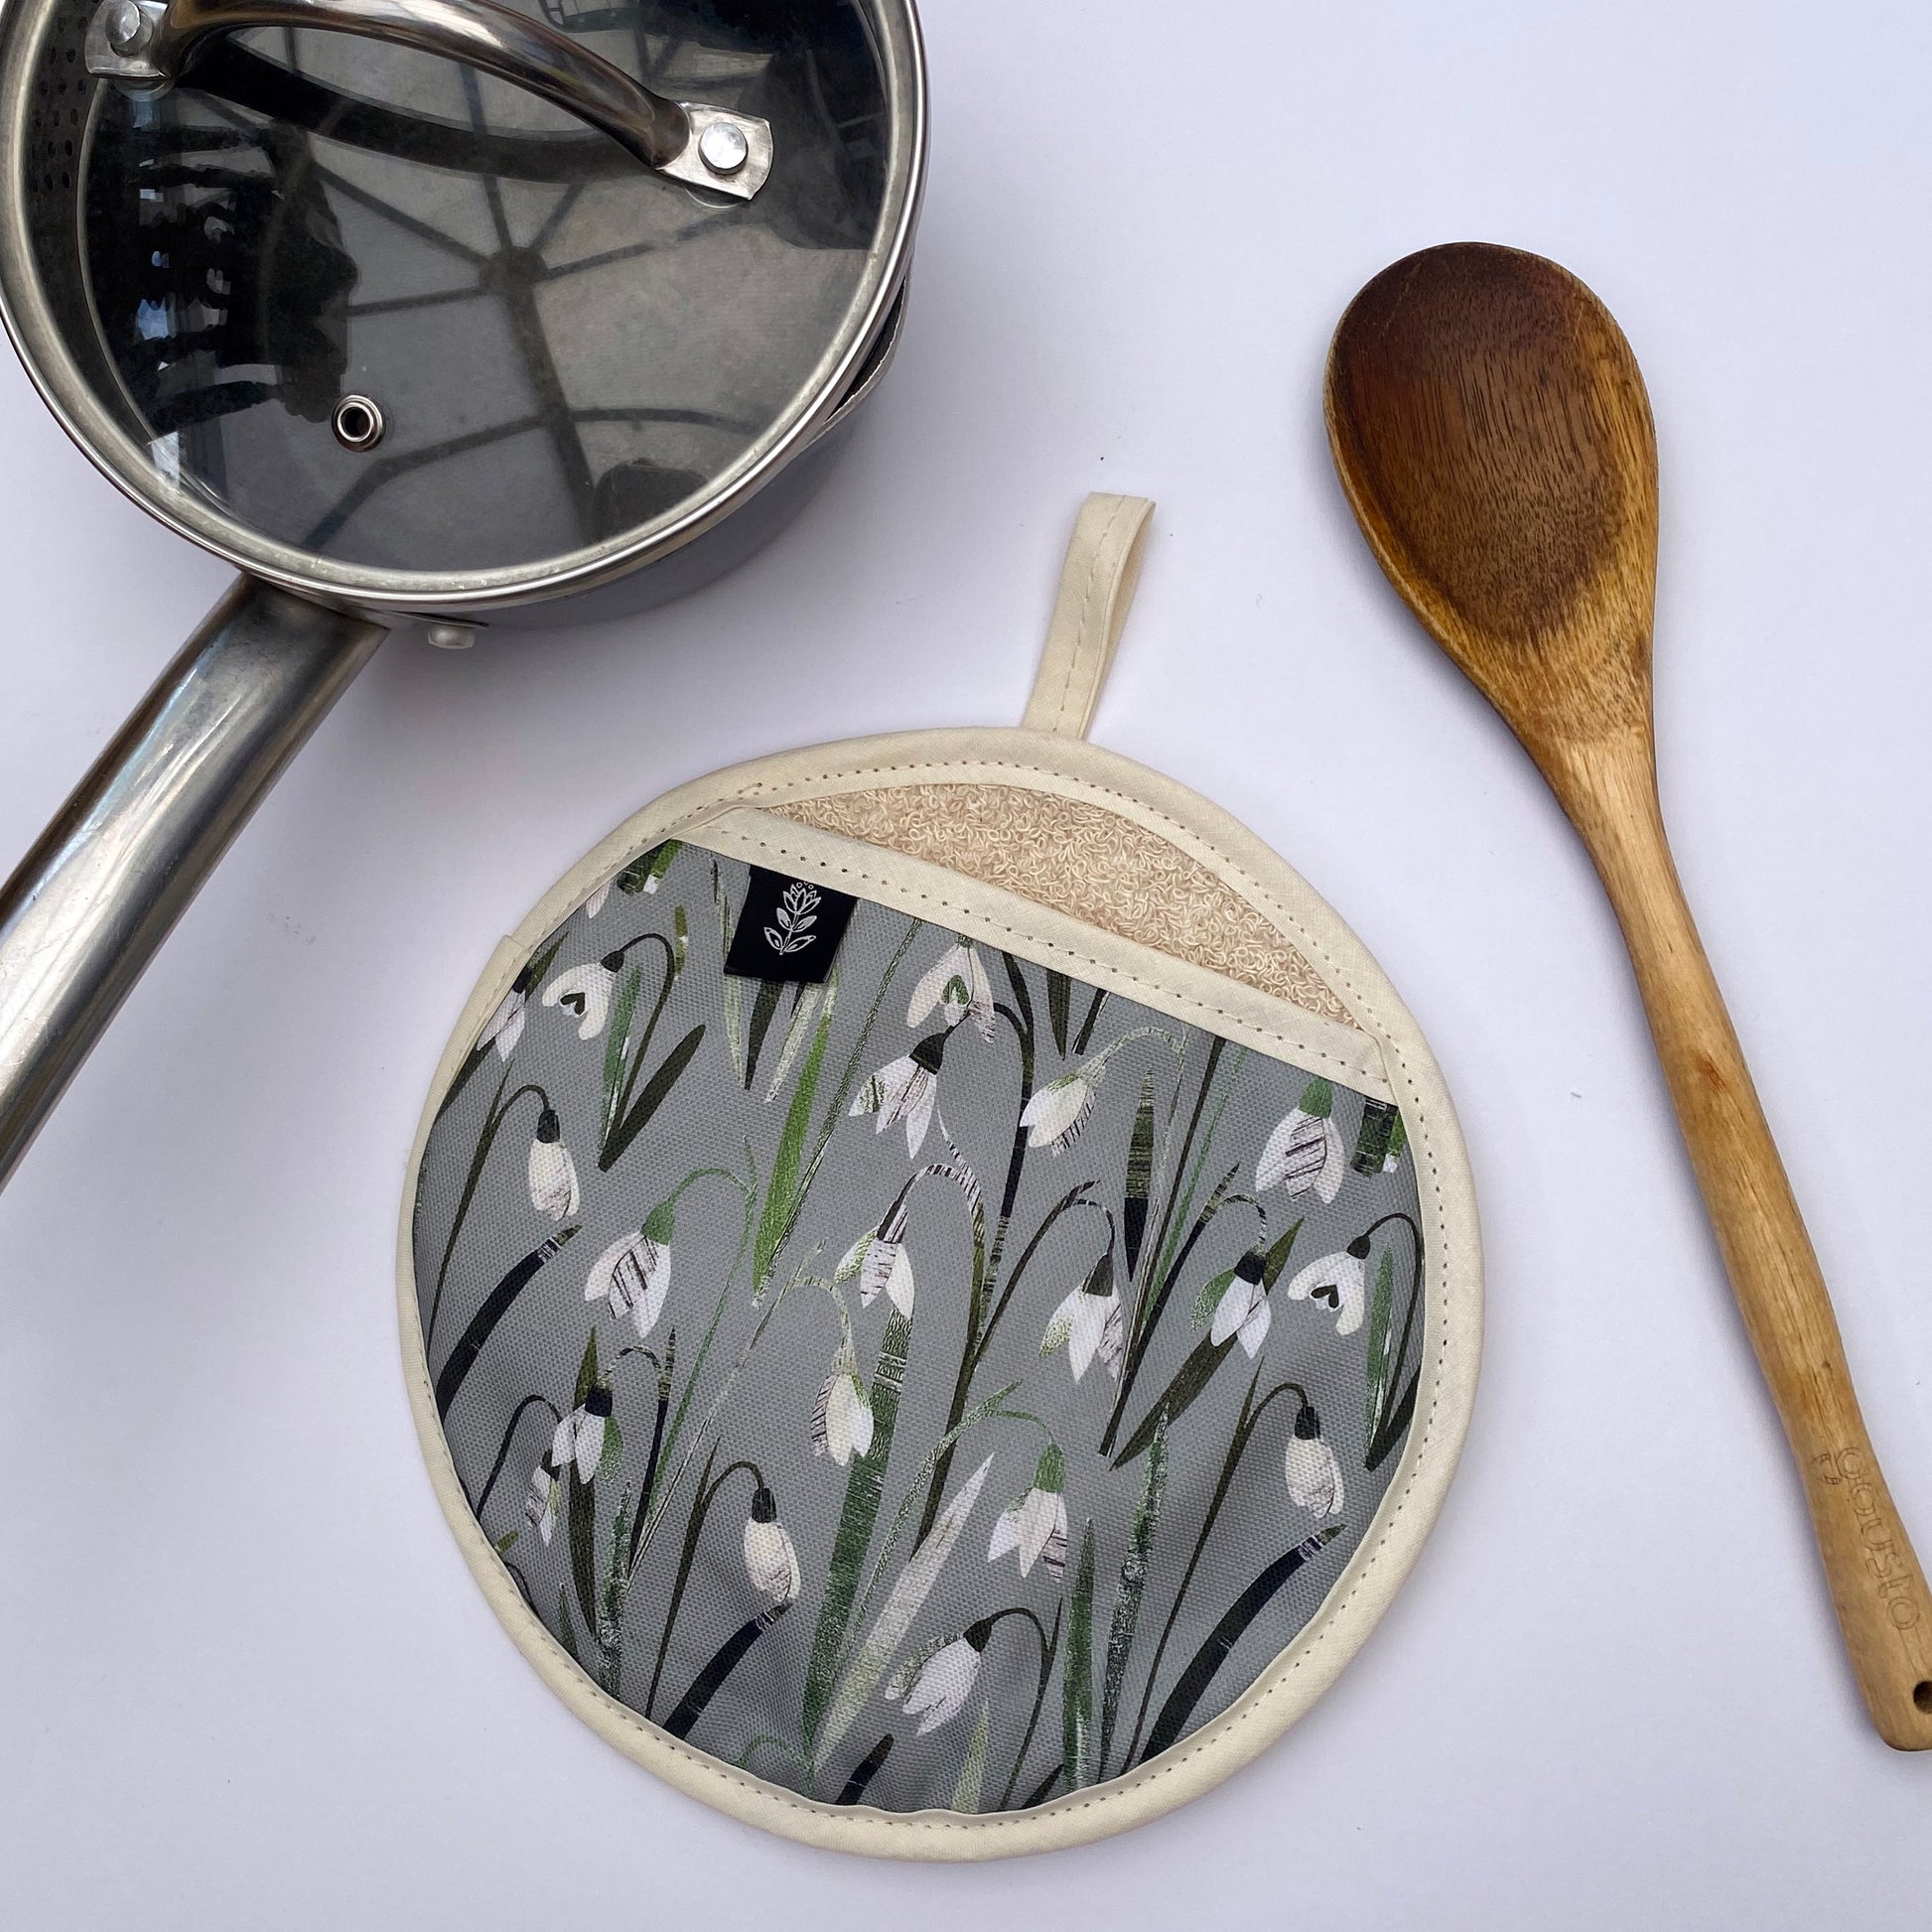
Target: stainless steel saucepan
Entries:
(419, 311)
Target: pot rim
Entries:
(30, 322)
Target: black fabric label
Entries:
(790, 930)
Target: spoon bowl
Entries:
(1491, 430)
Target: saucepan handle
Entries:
(146, 45)
(89, 905)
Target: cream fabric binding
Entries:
(1046, 756)
(1103, 565)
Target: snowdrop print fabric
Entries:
(948, 1385)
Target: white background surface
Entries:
(244, 1679)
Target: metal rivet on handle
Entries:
(722, 148)
(128, 28)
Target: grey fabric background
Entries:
(710, 1119)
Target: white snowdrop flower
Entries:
(586, 991)
(956, 985)
(769, 1559)
(937, 1691)
(1338, 1282)
(1243, 1307)
(1034, 1527)
(583, 1435)
(634, 1274)
(1314, 1470)
(905, 1091)
(541, 1506)
(1058, 1111)
(1089, 1323)
(505, 1026)
(842, 1421)
(594, 903)
(553, 1174)
(1304, 1152)
(881, 1263)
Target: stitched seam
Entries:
(1031, 940)
(1081, 631)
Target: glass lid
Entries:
(388, 309)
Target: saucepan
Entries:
(433, 314)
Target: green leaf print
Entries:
(1133, 1586)
(656, 1091)
(781, 1194)
(908, 1598)
(1059, 994)
(972, 1774)
(765, 1009)
(1208, 1354)
(705, 1686)
(1140, 1180)
(1209, 1659)
(643, 873)
(497, 1304)
(623, 1010)
(867, 1768)
(1381, 1307)
(1076, 1677)
(864, 1485)
(581, 1507)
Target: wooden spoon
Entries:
(1494, 439)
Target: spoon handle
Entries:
(1609, 789)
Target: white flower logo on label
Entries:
(797, 912)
